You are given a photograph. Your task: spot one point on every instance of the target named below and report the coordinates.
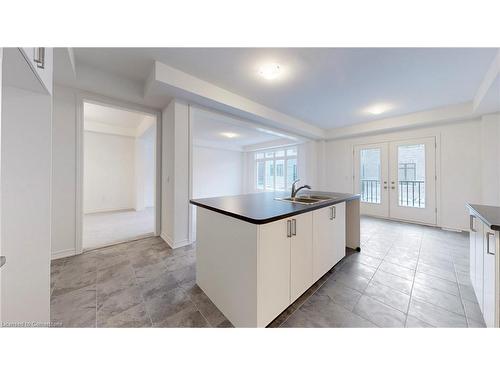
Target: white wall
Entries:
(145, 167)
(26, 126)
(175, 215)
(63, 171)
(217, 172)
(109, 172)
(490, 155)
(461, 164)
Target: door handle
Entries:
(3, 260)
(331, 213)
(294, 227)
(488, 243)
(471, 223)
(288, 228)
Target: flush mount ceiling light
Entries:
(229, 135)
(378, 109)
(270, 71)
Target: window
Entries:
(407, 171)
(275, 170)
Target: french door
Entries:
(397, 179)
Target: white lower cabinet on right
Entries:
(483, 263)
(329, 238)
(489, 293)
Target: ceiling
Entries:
(327, 87)
(208, 129)
(115, 116)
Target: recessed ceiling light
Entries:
(270, 71)
(378, 109)
(229, 135)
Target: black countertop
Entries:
(488, 214)
(262, 208)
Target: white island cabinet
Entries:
(484, 260)
(254, 268)
(329, 240)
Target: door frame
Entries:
(81, 98)
(413, 137)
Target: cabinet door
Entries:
(273, 270)
(489, 278)
(472, 249)
(338, 232)
(480, 246)
(323, 242)
(301, 256)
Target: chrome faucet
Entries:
(295, 191)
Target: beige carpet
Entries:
(105, 228)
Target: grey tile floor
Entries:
(405, 276)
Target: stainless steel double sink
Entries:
(307, 199)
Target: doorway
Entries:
(119, 175)
(397, 179)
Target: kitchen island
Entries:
(257, 253)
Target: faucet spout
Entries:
(296, 190)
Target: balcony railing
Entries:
(412, 193)
(370, 191)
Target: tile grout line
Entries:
(198, 309)
(96, 276)
(142, 297)
(461, 298)
(364, 291)
(414, 277)
(298, 307)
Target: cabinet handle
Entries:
(488, 243)
(3, 260)
(333, 212)
(471, 223)
(40, 57)
(294, 227)
(288, 228)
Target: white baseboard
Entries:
(103, 210)
(174, 244)
(57, 254)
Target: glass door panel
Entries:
(370, 175)
(411, 175)
(412, 166)
(269, 174)
(291, 172)
(370, 178)
(280, 174)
